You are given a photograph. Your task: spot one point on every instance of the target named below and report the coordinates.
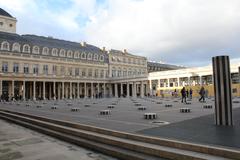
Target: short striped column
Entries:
(222, 90)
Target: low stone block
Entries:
(150, 115)
(142, 108)
(168, 105)
(105, 112)
(207, 106)
(185, 110)
(110, 106)
(74, 109)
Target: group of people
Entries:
(185, 93)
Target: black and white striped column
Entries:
(222, 90)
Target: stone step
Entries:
(142, 147)
(99, 147)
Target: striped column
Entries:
(222, 90)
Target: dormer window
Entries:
(89, 56)
(26, 48)
(54, 52)
(5, 46)
(76, 54)
(95, 58)
(101, 58)
(69, 54)
(45, 51)
(83, 55)
(16, 47)
(62, 53)
(35, 50)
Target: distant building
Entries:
(157, 66)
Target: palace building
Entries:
(37, 67)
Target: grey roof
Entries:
(48, 42)
(162, 65)
(4, 13)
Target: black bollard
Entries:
(222, 90)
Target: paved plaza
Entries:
(196, 126)
(19, 143)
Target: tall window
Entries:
(35, 69)
(89, 56)
(84, 72)
(15, 67)
(76, 71)
(102, 74)
(96, 73)
(76, 55)
(62, 70)
(83, 55)
(113, 72)
(45, 69)
(62, 53)
(70, 71)
(54, 69)
(5, 67)
(69, 54)
(95, 57)
(89, 72)
(26, 68)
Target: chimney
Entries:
(83, 44)
(103, 49)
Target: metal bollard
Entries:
(222, 90)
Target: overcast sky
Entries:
(184, 32)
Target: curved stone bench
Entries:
(110, 106)
(28, 105)
(87, 105)
(207, 106)
(185, 110)
(188, 103)
(236, 101)
(142, 108)
(114, 103)
(168, 105)
(150, 115)
(138, 104)
(105, 112)
(158, 102)
(74, 109)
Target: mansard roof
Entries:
(49, 42)
(5, 13)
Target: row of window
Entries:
(128, 60)
(54, 52)
(56, 70)
(125, 73)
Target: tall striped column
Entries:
(222, 90)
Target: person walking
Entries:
(187, 93)
(190, 93)
(183, 93)
(202, 94)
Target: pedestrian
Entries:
(187, 93)
(202, 94)
(190, 92)
(183, 92)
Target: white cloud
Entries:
(185, 32)
(168, 29)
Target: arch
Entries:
(95, 57)
(83, 55)
(54, 52)
(16, 47)
(26, 48)
(76, 54)
(5, 46)
(102, 58)
(45, 51)
(35, 50)
(62, 53)
(89, 57)
(69, 54)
